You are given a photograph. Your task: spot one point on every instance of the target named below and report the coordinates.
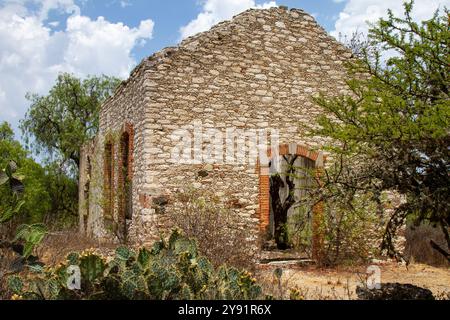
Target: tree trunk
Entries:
(279, 212)
(281, 208)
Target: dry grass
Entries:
(7, 258)
(300, 284)
(418, 248)
(312, 283)
(57, 245)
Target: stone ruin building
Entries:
(258, 71)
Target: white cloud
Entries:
(215, 11)
(66, 6)
(357, 12)
(31, 54)
(41, 7)
(125, 3)
(98, 46)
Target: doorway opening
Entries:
(291, 182)
(286, 178)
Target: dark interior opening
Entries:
(126, 186)
(108, 181)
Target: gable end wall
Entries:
(258, 71)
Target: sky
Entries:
(41, 38)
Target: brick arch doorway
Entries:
(314, 157)
(125, 180)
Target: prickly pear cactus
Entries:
(171, 270)
(92, 267)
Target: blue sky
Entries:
(41, 38)
(170, 15)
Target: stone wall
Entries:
(258, 71)
(121, 113)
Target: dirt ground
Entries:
(338, 284)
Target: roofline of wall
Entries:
(162, 56)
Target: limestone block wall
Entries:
(258, 71)
(121, 113)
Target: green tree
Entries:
(12, 189)
(36, 197)
(61, 122)
(11, 182)
(392, 132)
(32, 195)
(6, 133)
(63, 190)
(50, 195)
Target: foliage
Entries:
(351, 234)
(49, 195)
(35, 197)
(32, 235)
(61, 122)
(63, 190)
(12, 202)
(171, 270)
(350, 230)
(6, 133)
(299, 229)
(392, 132)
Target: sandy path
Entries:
(341, 283)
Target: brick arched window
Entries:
(108, 171)
(317, 159)
(125, 179)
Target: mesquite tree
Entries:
(62, 121)
(392, 132)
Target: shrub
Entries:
(221, 233)
(351, 235)
(171, 270)
(12, 190)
